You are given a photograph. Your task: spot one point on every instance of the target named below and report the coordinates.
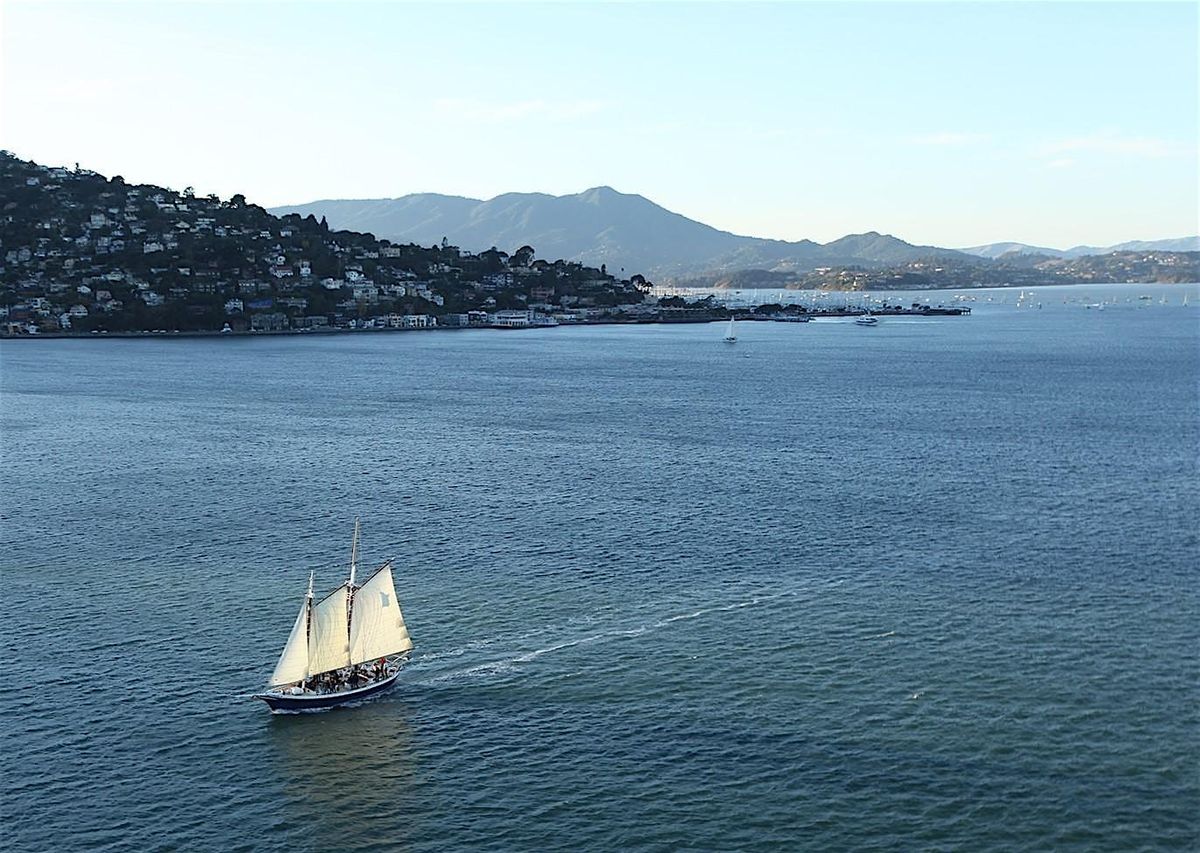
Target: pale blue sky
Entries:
(944, 123)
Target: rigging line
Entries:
(342, 566)
(337, 589)
(386, 563)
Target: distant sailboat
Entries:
(346, 647)
(730, 337)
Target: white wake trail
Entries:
(502, 665)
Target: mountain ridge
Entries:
(1170, 244)
(602, 225)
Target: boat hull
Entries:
(300, 703)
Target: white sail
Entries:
(293, 663)
(376, 624)
(328, 645)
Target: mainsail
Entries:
(327, 641)
(333, 635)
(293, 663)
(377, 626)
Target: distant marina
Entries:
(702, 306)
(513, 320)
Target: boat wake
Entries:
(505, 665)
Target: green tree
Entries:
(523, 256)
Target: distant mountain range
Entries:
(997, 250)
(630, 233)
(601, 226)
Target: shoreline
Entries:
(743, 315)
(339, 330)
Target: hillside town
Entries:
(81, 253)
(1011, 270)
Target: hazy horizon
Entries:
(954, 125)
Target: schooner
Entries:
(346, 647)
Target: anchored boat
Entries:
(346, 647)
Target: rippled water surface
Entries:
(930, 585)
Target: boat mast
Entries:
(350, 588)
(354, 553)
(308, 598)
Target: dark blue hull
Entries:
(281, 703)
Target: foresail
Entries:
(327, 645)
(377, 626)
(293, 663)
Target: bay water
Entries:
(927, 585)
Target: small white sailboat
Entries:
(344, 648)
(730, 337)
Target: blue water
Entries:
(928, 585)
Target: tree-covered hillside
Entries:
(80, 251)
